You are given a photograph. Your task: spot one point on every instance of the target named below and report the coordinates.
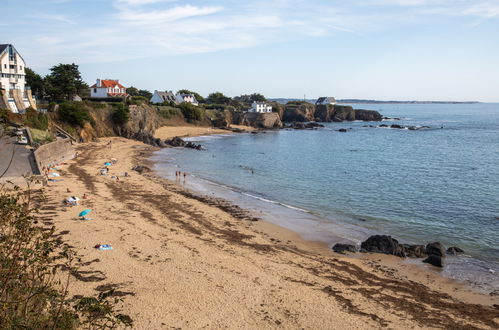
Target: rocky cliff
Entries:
(261, 120)
(299, 111)
(303, 112)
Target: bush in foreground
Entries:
(33, 287)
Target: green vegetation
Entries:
(41, 136)
(35, 270)
(36, 83)
(133, 91)
(35, 119)
(169, 112)
(121, 114)
(74, 113)
(4, 116)
(192, 113)
(137, 100)
(62, 84)
(218, 98)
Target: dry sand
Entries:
(185, 261)
(168, 132)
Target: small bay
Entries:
(436, 184)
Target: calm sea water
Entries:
(438, 184)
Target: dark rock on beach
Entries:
(454, 250)
(436, 249)
(396, 126)
(141, 169)
(342, 130)
(298, 125)
(414, 251)
(434, 260)
(178, 142)
(342, 248)
(383, 244)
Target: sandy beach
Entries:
(168, 132)
(181, 260)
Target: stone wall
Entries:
(54, 153)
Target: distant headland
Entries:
(362, 101)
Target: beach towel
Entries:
(103, 247)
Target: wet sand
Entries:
(183, 260)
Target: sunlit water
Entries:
(437, 184)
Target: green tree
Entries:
(218, 98)
(132, 91)
(198, 97)
(74, 113)
(121, 114)
(64, 82)
(191, 112)
(257, 97)
(36, 83)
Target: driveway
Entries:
(15, 159)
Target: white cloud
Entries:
(166, 15)
(51, 17)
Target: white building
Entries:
(325, 101)
(108, 88)
(13, 93)
(189, 98)
(260, 107)
(160, 97)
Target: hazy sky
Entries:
(375, 49)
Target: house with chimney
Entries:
(260, 107)
(161, 97)
(187, 98)
(14, 94)
(108, 88)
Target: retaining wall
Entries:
(54, 153)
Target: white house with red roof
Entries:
(107, 88)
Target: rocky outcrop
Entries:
(368, 115)
(311, 125)
(141, 169)
(434, 260)
(178, 142)
(454, 250)
(324, 112)
(383, 244)
(414, 251)
(435, 249)
(299, 112)
(261, 120)
(342, 248)
(144, 120)
(343, 113)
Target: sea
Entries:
(434, 184)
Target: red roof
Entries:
(108, 84)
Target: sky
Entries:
(367, 49)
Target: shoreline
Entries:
(170, 247)
(460, 269)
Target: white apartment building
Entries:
(260, 107)
(13, 93)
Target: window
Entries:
(21, 67)
(12, 66)
(5, 66)
(95, 90)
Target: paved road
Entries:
(21, 161)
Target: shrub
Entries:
(36, 119)
(4, 116)
(169, 112)
(121, 114)
(191, 112)
(30, 258)
(74, 113)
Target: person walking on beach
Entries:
(109, 144)
(185, 174)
